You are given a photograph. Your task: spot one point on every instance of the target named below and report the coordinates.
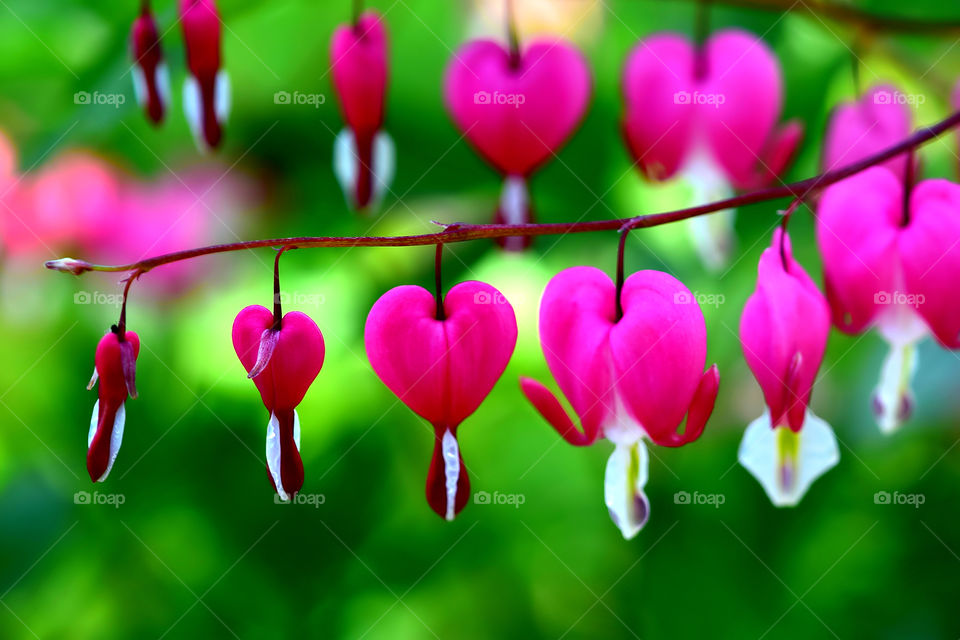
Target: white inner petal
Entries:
(193, 108)
(712, 235)
(273, 451)
(514, 200)
(221, 96)
(93, 423)
(384, 165)
(345, 164)
(139, 85)
(163, 83)
(786, 464)
(893, 398)
(624, 480)
(451, 470)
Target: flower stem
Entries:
(801, 189)
(441, 314)
(277, 309)
(620, 279)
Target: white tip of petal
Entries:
(624, 480)
(893, 399)
(345, 163)
(273, 451)
(451, 471)
(116, 437)
(786, 463)
(384, 165)
(193, 108)
(221, 96)
(139, 85)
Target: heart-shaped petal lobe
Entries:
(517, 113)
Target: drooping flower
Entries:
(861, 128)
(206, 91)
(709, 114)
(627, 379)
(115, 367)
(151, 79)
(442, 363)
(517, 110)
(364, 157)
(283, 359)
(783, 331)
(892, 269)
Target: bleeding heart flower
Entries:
(151, 80)
(115, 367)
(711, 115)
(517, 110)
(206, 92)
(283, 359)
(867, 126)
(893, 270)
(442, 365)
(783, 331)
(364, 157)
(627, 379)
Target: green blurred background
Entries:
(200, 549)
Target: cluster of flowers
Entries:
(206, 92)
(629, 359)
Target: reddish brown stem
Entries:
(800, 190)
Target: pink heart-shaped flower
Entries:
(442, 368)
(725, 98)
(517, 113)
(288, 362)
(873, 257)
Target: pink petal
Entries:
(741, 68)
(858, 220)
(783, 331)
(359, 65)
(658, 123)
(930, 251)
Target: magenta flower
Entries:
(892, 269)
(364, 156)
(709, 115)
(627, 379)
(151, 80)
(517, 111)
(115, 365)
(206, 92)
(442, 361)
(867, 126)
(283, 358)
(783, 331)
